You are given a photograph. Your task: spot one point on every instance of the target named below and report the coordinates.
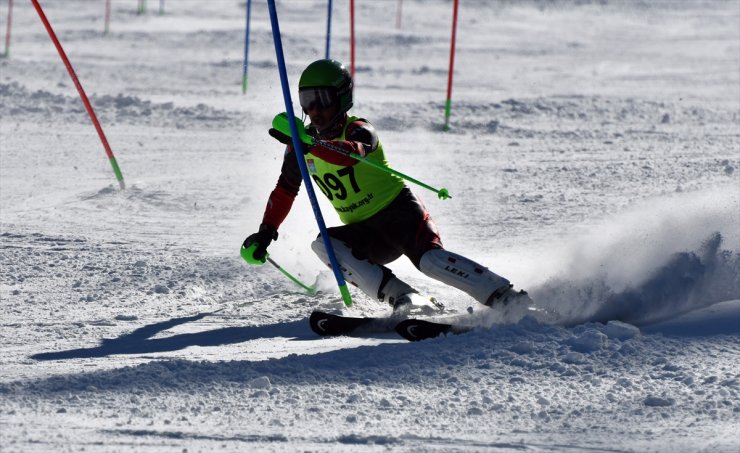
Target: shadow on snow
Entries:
(140, 341)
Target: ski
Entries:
(328, 324)
(422, 329)
(417, 329)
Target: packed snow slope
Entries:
(592, 159)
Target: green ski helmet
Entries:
(326, 81)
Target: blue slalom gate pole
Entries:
(328, 32)
(297, 146)
(246, 48)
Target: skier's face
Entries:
(321, 105)
(321, 116)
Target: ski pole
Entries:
(280, 122)
(442, 193)
(310, 289)
(248, 252)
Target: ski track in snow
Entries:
(592, 159)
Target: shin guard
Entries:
(376, 281)
(462, 273)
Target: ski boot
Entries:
(507, 295)
(414, 304)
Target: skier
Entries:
(382, 218)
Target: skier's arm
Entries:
(278, 206)
(361, 139)
(282, 197)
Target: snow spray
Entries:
(246, 47)
(83, 96)
(301, 162)
(656, 260)
(448, 102)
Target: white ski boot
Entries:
(507, 295)
(414, 304)
(378, 282)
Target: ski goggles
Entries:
(312, 98)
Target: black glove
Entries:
(287, 140)
(262, 238)
(279, 136)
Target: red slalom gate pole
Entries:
(81, 91)
(7, 29)
(352, 37)
(448, 103)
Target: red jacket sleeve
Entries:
(282, 197)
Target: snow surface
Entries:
(592, 159)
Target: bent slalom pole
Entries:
(83, 96)
(280, 122)
(248, 254)
(299, 156)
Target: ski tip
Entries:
(328, 324)
(324, 324)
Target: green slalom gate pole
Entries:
(280, 122)
(248, 253)
(293, 126)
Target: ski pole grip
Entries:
(247, 254)
(281, 123)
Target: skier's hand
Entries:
(279, 136)
(287, 140)
(254, 248)
(282, 125)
